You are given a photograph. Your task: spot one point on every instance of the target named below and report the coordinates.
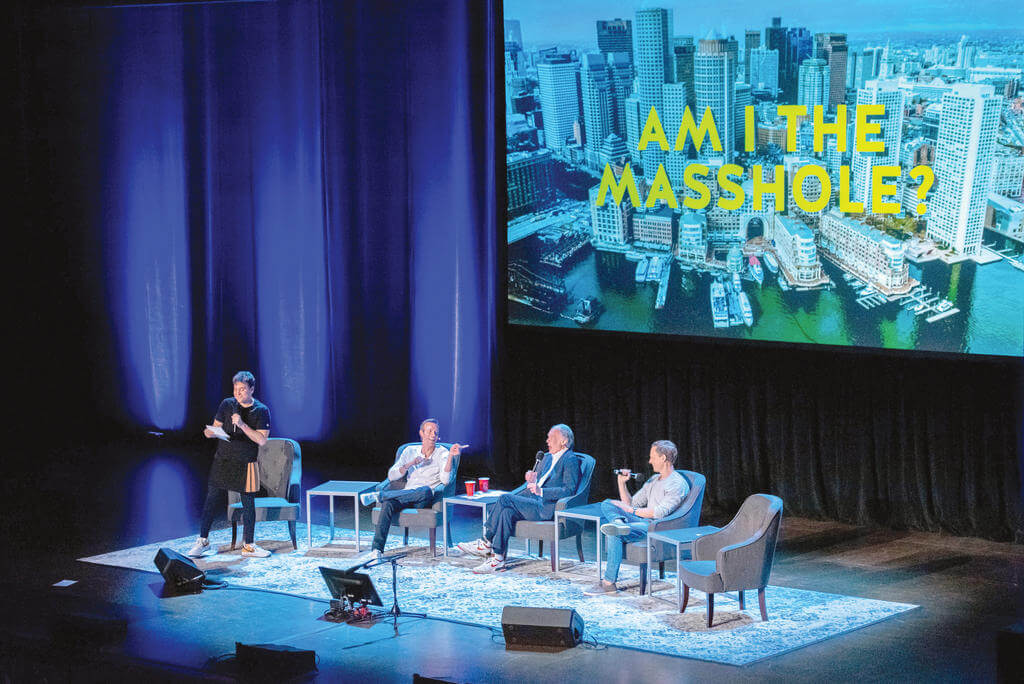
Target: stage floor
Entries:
(968, 589)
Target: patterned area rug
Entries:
(447, 588)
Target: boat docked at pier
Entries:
(755, 269)
(745, 309)
(719, 307)
(771, 262)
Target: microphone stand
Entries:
(395, 611)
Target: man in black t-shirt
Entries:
(246, 420)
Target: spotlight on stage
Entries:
(179, 571)
(541, 629)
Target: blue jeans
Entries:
(617, 545)
(392, 501)
(510, 509)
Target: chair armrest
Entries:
(743, 565)
(294, 492)
(577, 499)
(519, 490)
(707, 547)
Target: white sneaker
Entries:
(365, 557)
(493, 564)
(616, 528)
(481, 547)
(369, 498)
(201, 546)
(253, 551)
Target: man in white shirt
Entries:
(557, 477)
(427, 469)
(629, 517)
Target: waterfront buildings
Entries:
(611, 224)
(653, 228)
(615, 35)
(692, 245)
(1005, 216)
(528, 178)
(963, 165)
(870, 254)
(797, 253)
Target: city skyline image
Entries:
(933, 263)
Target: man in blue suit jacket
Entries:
(557, 476)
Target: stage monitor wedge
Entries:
(540, 629)
(178, 570)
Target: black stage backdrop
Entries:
(897, 440)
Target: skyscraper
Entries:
(683, 51)
(775, 38)
(715, 76)
(559, 103)
(968, 127)
(764, 70)
(620, 68)
(633, 124)
(884, 92)
(744, 97)
(813, 89)
(832, 48)
(800, 46)
(751, 41)
(615, 35)
(675, 98)
(513, 32)
(597, 104)
(653, 69)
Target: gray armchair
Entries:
(687, 515)
(280, 465)
(422, 518)
(737, 557)
(544, 530)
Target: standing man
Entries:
(234, 468)
(557, 477)
(427, 468)
(629, 517)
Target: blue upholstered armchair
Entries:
(422, 518)
(544, 530)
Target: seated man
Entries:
(629, 517)
(558, 476)
(427, 467)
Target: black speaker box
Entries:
(1010, 653)
(274, 660)
(541, 629)
(178, 570)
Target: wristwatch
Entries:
(634, 510)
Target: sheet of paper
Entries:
(64, 583)
(218, 432)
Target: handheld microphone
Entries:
(237, 409)
(632, 476)
(540, 457)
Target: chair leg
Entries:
(686, 597)
(661, 570)
(553, 568)
(291, 532)
(742, 606)
(711, 609)
(643, 577)
(433, 542)
(579, 546)
(405, 538)
(234, 534)
(760, 601)
(540, 548)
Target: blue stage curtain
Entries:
(304, 189)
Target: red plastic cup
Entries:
(483, 483)
(470, 487)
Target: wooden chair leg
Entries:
(643, 577)
(234, 534)
(711, 609)
(760, 602)
(433, 542)
(661, 570)
(540, 548)
(579, 546)
(686, 597)
(742, 606)
(553, 568)
(405, 538)
(291, 532)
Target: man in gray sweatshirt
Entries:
(628, 517)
